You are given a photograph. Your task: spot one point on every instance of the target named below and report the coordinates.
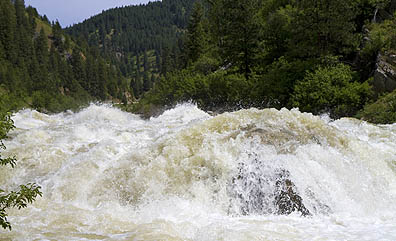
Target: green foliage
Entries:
(125, 32)
(228, 90)
(225, 53)
(277, 81)
(216, 90)
(381, 37)
(277, 32)
(19, 199)
(238, 32)
(383, 111)
(11, 101)
(39, 69)
(134, 29)
(265, 53)
(181, 86)
(331, 88)
(324, 27)
(8, 27)
(195, 37)
(27, 193)
(206, 64)
(6, 124)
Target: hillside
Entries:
(220, 54)
(320, 58)
(43, 68)
(142, 40)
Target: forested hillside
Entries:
(319, 56)
(43, 68)
(144, 41)
(329, 56)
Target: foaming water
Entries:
(185, 175)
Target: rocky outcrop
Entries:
(385, 73)
(384, 79)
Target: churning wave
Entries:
(186, 175)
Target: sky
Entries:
(69, 12)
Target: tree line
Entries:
(44, 68)
(309, 54)
(144, 41)
(218, 53)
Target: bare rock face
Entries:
(385, 73)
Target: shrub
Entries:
(332, 89)
(383, 111)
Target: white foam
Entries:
(106, 174)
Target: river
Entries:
(110, 175)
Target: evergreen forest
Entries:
(318, 56)
(145, 41)
(43, 68)
(321, 56)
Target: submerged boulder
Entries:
(259, 189)
(286, 198)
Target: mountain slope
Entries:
(129, 33)
(41, 67)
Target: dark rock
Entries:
(385, 73)
(286, 198)
(259, 189)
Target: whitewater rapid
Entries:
(110, 175)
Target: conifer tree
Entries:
(40, 80)
(8, 29)
(236, 27)
(145, 62)
(1, 51)
(324, 27)
(20, 12)
(102, 77)
(58, 36)
(146, 82)
(41, 49)
(195, 37)
(78, 66)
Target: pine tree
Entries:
(20, 12)
(146, 82)
(145, 62)
(92, 76)
(236, 27)
(41, 49)
(324, 27)
(8, 30)
(40, 80)
(195, 37)
(157, 60)
(166, 62)
(58, 36)
(2, 55)
(102, 77)
(78, 67)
